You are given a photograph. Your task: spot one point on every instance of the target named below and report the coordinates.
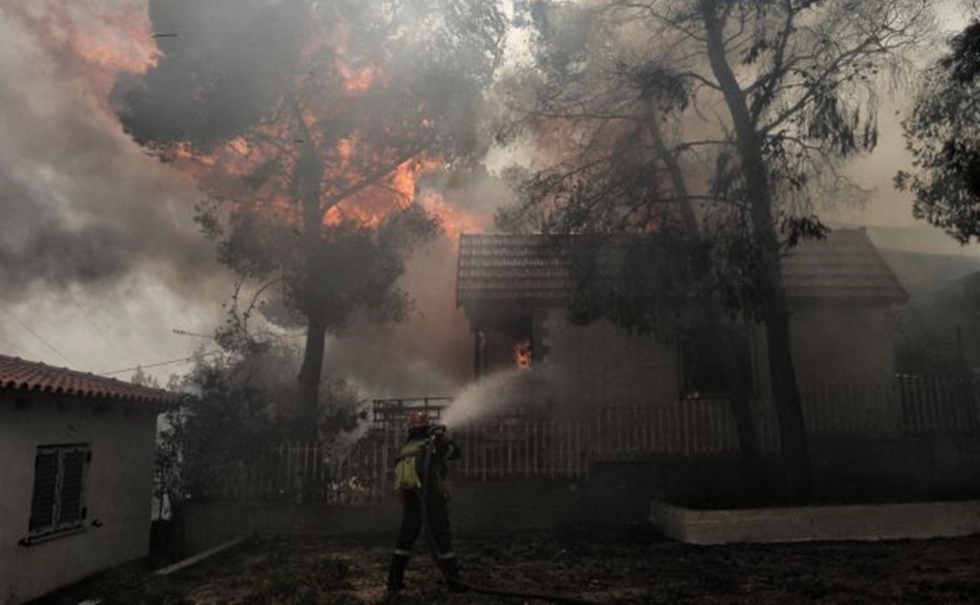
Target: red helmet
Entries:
(416, 419)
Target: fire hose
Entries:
(453, 580)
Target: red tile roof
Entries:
(18, 374)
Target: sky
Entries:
(99, 256)
(102, 268)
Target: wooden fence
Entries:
(508, 447)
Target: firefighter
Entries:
(418, 479)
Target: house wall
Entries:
(601, 364)
(844, 344)
(117, 491)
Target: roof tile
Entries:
(845, 266)
(18, 374)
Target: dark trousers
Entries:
(437, 511)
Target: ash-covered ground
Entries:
(606, 568)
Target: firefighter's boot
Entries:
(452, 571)
(396, 573)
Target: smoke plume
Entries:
(82, 204)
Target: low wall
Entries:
(474, 508)
(619, 492)
(817, 523)
(908, 467)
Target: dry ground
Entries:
(635, 568)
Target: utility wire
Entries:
(156, 365)
(91, 322)
(180, 332)
(37, 336)
(7, 344)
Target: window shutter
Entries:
(45, 496)
(71, 487)
(59, 489)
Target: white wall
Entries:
(118, 491)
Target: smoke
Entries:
(429, 354)
(100, 234)
(515, 390)
(82, 204)
(222, 71)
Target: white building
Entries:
(76, 475)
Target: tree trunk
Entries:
(739, 395)
(309, 170)
(742, 410)
(785, 391)
(786, 394)
(310, 374)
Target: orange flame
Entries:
(98, 40)
(522, 353)
(454, 220)
(90, 39)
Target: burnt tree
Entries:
(307, 125)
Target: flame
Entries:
(522, 353)
(97, 40)
(454, 220)
(357, 79)
(91, 39)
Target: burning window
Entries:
(522, 353)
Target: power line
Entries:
(37, 336)
(20, 348)
(158, 364)
(91, 322)
(180, 332)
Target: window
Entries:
(59, 481)
(702, 362)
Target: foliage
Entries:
(714, 128)
(130, 585)
(241, 402)
(306, 123)
(943, 135)
(635, 109)
(141, 378)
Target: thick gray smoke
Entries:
(82, 204)
(222, 69)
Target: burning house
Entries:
(515, 289)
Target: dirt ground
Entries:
(603, 568)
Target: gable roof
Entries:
(18, 374)
(845, 267)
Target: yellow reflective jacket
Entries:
(406, 469)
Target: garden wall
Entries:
(620, 492)
(475, 507)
